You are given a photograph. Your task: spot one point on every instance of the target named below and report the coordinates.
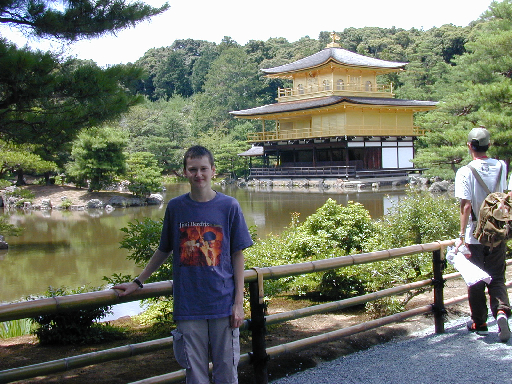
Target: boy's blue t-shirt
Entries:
(202, 237)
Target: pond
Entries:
(75, 248)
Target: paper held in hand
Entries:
(469, 271)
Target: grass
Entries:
(14, 328)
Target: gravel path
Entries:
(453, 357)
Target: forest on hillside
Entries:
(182, 94)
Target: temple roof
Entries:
(340, 56)
(319, 102)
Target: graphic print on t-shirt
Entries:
(200, 244)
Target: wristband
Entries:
(462, 236)
(137, 281)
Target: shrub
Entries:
(336, 230)
(384, 307)
(420, 217)
(347, 228)
(4, 183)
(159, 313)
(333, 230)
(74, 326)
(339, 285)
(142, 239)
(66, 203)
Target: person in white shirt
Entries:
(494, 173)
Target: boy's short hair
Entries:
(195, 152)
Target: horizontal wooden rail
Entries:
(346, 303)
(33, 308)
(84, 360)
(280, 271)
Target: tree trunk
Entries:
(21, 179)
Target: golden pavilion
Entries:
(336, 120)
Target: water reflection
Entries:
(69, 248)
(270, 210)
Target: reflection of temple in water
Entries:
(336, 120)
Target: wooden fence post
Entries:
(259, 357)
(438, 265)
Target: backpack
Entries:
(494, 216)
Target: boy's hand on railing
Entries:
(126, 288)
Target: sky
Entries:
(244, 20)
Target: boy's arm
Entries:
(237, 316)
(154, 263)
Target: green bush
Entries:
(384, 307)
(420, 217)
(336, 227)
(66, 203)
(74, 326)
(4, 183)
(341, 284)
(333, 230)
(159, 313)
(142, 239)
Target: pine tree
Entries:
(45, 99)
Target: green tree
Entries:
(201, 66)
(98, 155)
(482, 86)
(232, 84)
(160, 127)
(225, 149)
(45, 99)
(150, 63)
(431, 59)
(75, 19)
(172, 77)
(143, 173)
(19, 159)
(181, 67)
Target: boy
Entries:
(206, 232)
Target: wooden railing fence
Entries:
(258, 321)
